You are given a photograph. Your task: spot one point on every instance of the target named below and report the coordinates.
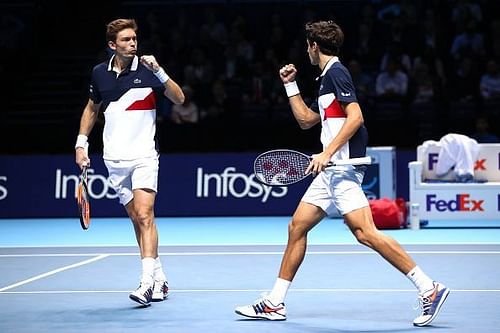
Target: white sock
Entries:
(159, 275)
(420, 280)
(277, 295)
(148, 266)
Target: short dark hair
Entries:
(327, 34)
(114, 27)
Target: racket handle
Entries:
(354, 161)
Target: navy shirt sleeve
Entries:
(343, 86)
(94, 94)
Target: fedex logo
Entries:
(478, 165)
(462, 203)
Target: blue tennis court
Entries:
(58, 278)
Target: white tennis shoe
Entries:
(143, 294)
(160, 291)
(263, 309)
(431, 304)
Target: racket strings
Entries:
(83, 201)
(280, 167)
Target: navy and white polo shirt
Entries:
(337, 87)
(129, 103)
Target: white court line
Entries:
(231, 253)
(40, 276)
(306, 290)
(355, 243)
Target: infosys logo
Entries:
(462, 203)
(99, 186)
(230, 183)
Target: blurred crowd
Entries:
(421, 68)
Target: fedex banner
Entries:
(441, 200)
(486, 167)
(189, 185)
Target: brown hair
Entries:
(114, 27)
(327, 34)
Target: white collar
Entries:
(135, 63)
(328, 65)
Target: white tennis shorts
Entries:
(126, 176)
(337, 190)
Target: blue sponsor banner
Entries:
(189, 185)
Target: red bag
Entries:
(388, 213)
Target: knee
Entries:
(367, 238)
(144, 218)
(296, 229)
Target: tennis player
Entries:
(125, 88)
(343, 136)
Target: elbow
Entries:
(304, 124)
(180, 99)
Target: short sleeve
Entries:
(343, 86)
(94, 94)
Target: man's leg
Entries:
(272, 307)
(360, 221)
(306, 216)
(432, 294)
(140, 211)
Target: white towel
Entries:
(458, 152)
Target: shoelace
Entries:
(424, 303)
(259, 307)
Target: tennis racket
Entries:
(83, 200)
(281, 167)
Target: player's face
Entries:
(313, 53)
(125, 44)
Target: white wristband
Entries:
(81, 141)
(162, 76)
(292, 89)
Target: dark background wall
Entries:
(229, 53)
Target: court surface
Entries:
(59, 278)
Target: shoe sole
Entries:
(138, 300)
(440, 304)
(262, 318)
(159, 299)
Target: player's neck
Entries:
(120, 63)
(323, 60)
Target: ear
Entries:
(112, 45)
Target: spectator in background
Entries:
(463, 11)
(435, 68)
(401, 8)
(465, 82)
(11, 30)
(432, 34)
(469, 43)
(490, 82)
(365, 48)
(219, 101)
(187, 112)
(396, 52)
(214, 30)
(424, 87)
(258, 87)
(392, 83)
(483, 133)
(364, 82)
